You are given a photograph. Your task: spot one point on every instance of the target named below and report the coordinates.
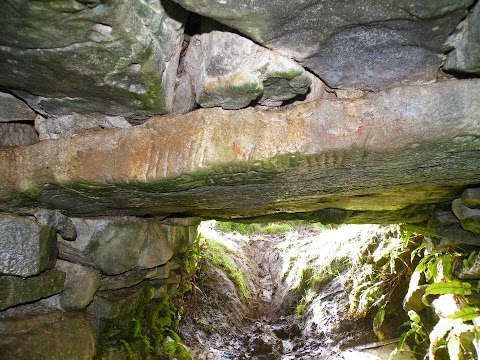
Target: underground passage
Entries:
(239, 179)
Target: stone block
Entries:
(58, 221)
(116, 303)
(15, 290)
(453, 236)
(442, 218)
(128, 279)
(13, 109)
(471, 198)
(114, 57)
(465, 57)
(52, 336)
(469, 218)
(13, 134)
(81, 284)
(117, 246)
(72, 124)
(231, 71)
(26, 247)
(369, 44)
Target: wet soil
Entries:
(225, 326)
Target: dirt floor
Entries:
(222, 324)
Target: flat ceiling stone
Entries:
(394, 153)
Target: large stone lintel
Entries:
(386, 152)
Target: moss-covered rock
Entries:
(14, 290)
(230, 71)
(109, 57)
(359, 156)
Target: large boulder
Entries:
(381, 158)
(26, 247)
(465, 57)
(117, 246)
(231, 71)
(111, 57)
(349, 44)
(52, 336)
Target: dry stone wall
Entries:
(349, 112)
(76, 286)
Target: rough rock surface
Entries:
(26, 247)
(116, 58)
(17, 134)
(12, 109)
(470, 271)
(112, 304)
(465, 57)
(53, 336)
(380, 158)
(471, 198)
(453, 236)
(14, 290)
(231, 71)
(81, 283)
(366, 44)
(116, 246)
(72, 124)
(58, 221)
(469, 218)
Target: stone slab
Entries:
(14, 290)
(14, 134)
(14, 109)
(26, 247)
(52, 336)
(115, 58)
(391, 152)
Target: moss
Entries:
(217, 254)
(245, 87)
(246, 229)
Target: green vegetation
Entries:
(216, 253)
(145, 332)
(247, 229)
(434, 331)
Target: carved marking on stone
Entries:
(241, 154)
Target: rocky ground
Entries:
(225, 325)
